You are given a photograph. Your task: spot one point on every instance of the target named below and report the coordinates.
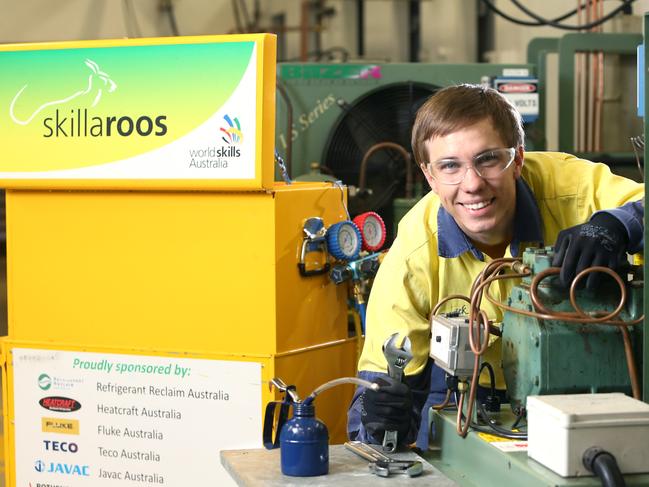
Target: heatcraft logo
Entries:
(72, 115)
(219, 157)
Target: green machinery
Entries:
(337, 115)
(545, 356)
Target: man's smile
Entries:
(478, 205)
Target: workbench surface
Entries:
(261, 468)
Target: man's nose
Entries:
(472, 180)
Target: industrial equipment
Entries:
(354, 121)
(554, 341)
(558, 356)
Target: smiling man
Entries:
(489, 199)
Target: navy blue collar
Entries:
(452, 241)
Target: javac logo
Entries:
(62, 468)
(233, 134)
(98, 82)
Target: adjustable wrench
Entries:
(397, 358)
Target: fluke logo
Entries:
(71, 116)
(60, 425)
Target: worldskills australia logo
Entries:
(232, 133)
(219, 157)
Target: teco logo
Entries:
(517, 88)
(61, 404)
(63, 446)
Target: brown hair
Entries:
(456, 107)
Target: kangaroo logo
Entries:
(103, 83)
(233, 131)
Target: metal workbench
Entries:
(261, 468)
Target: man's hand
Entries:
(388, 409)
(600, 242)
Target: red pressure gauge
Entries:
(372, 230)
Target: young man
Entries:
(489, 199)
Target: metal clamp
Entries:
(314, 241)
(384, 469)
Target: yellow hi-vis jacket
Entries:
(431, 258)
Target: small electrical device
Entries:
(561, 428)
(449, 344)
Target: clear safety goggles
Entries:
(488, 165)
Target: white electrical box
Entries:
(560, 428)
(449, 345)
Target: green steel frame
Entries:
(537, 51)
(569, 45)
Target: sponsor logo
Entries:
(60, 425)
(75, 119)
(60, 404)
(62, 468)
(63, 446)
(233, 134)
(47, 382)
(44, 381)
(517, 88)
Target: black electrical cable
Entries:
(492, 376)
(513, 435)
(590, 25)
(604, 466)
(496, 10)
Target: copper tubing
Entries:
(479, 321)
(387, 145)
(448, 298)
(604, 318)
(630, 362)
(444, 403)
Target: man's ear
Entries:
(519, 160)
(431, 181)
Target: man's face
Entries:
(483, 208)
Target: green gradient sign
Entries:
(182, 108)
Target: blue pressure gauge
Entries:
(344, 240)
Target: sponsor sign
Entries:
(140, 414)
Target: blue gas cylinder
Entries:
(304, 443)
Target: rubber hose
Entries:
(604, 466)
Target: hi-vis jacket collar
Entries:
(452, 241)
